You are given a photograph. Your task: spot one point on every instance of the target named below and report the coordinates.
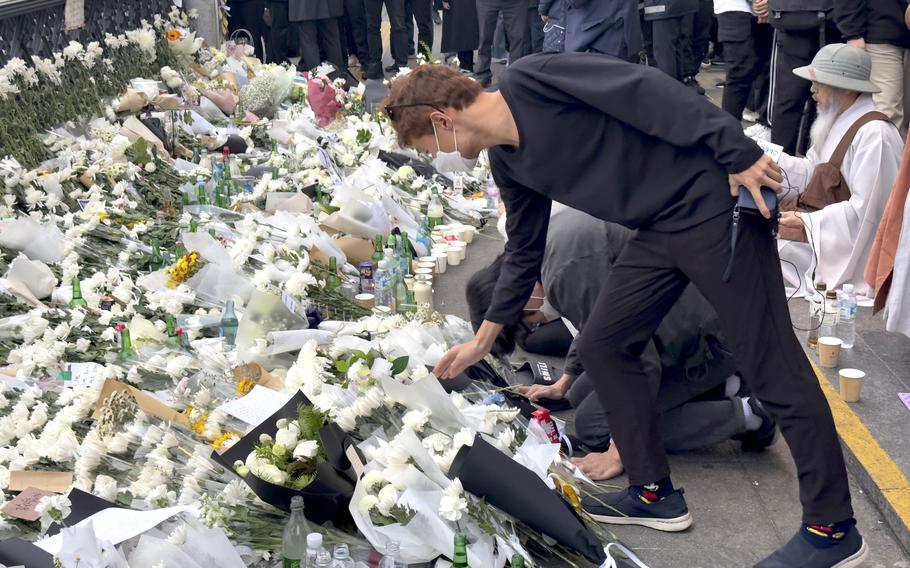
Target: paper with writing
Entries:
(116, 525)
(256, 405)
(23, 506)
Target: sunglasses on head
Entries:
(391, 110)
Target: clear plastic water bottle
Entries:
(294, 541)
(323, 560)
(313, 548)
(382, 285)
(846, 327)
(341, 557)
(392, 557)
(830, 314)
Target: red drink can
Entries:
(543, 418)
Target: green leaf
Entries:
(399, 365)
(329, 209)
(343, 365)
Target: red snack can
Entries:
(543, 418)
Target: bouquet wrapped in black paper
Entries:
(295, 452)
(504, 483)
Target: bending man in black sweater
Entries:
(627, 144)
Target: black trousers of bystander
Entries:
(646, 280)
(420, 11)
(747, 45)
(318, 38)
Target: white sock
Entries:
(753, 422)
(732, 387)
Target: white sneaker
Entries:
(758, 132)
(750, 115)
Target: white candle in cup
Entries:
(454, 255)
(462, 247)
(423, 294)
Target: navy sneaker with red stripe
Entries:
(818, 546)
(630, 507)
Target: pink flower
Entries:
(321, 96)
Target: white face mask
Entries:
(451, 162)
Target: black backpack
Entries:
(800, 15)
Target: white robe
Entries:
(841, 235)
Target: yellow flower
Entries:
(174, 35)
(244, 386)
(102, 215)
(224, 438)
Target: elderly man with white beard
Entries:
(834, 198)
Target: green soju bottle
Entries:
(460, 557)
(77, 299)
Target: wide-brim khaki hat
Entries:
(842, 66)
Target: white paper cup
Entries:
(428, 278)
(467, 233)
(851, 384)
(424, 271)
(454, 255)
(438, 238)
(441, 262)
(423, 259)
(461, 246)
(427, 264)
(365, 300)
(829, 351)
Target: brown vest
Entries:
(827, 185)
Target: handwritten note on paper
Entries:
(23, 506)
(256, 405)
(56, 481)
(116, 525)
(83, 374)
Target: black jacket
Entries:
(876, 21)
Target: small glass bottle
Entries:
(77, 300)
(392, 556)
(341, 557)
(157, 260)
(816, 309)
(434, 211)
(126, 344)
(293, 540)
(377, 251)
(202, 196)
(173, 340)
(313, 548)
(460, 556)
(332, 280)
(229, 323)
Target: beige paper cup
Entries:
(851, 383)
(365, 300)
(462, 247)
(426, 271)
(423, 259)
(441, 262)
(431, 265)
(454, 255)
(467, 234)
(829, 351)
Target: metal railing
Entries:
(35, 27)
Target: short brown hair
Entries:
(414, 96)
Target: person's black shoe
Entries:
(437, 19)
(373, 71)
(758, 440)
(692, 83)
(484, 80)
(394, 67)
(800, 553)
(670, 514)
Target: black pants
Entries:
(748, 54)
(648, 277)
(247, 15)
(276, 46)
(533, 32)
(551, 338)
(672, 45)
(399, 38)
(684, 423)
(320, 38)
(514, 19)
(354, 31)
(789, 93)
(700, 36)
(422, 12)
